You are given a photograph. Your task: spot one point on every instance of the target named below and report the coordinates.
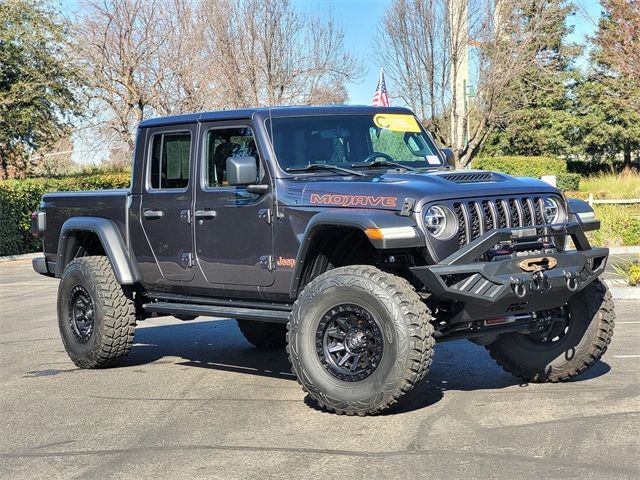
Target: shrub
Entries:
(568, 182)
(534, 167)
(629, 270)
(586, 168)
(18, 198)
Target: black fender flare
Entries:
(583, 213)
(125, 270)
(357, 219)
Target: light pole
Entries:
(459, 75)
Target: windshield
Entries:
(352, 141)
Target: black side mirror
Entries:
(242, 170)
(449, 157)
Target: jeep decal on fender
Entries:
(286, 262)
(352, 200)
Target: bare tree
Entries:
(267, 53)
(54, 159)
(160, 57)
(187, 79)
(429, 44)
(118, 43)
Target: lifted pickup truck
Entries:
(341, 232)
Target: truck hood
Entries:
(389, 190)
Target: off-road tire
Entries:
(264, 334)
(407, 339)
(114, 313)
(586, 340)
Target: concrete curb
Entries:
(11, 258)
(624, 250)
(625, 293)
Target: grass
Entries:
(620, 224)
(612, 186)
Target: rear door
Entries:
(166, 199)
(233, 228)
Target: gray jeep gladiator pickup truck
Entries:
(341, 232)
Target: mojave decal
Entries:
(352, 200)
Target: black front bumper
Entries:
(500, 287)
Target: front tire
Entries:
(561, 354)
(359, 340)
(96, 319)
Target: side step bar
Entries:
(239, 313)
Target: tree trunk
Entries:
(3, 165)
(626, 162)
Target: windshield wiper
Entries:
(325, 166)
(384, 163)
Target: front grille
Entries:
(462, 235)
(477, 217)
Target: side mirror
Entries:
(449, 157)
(242, 170)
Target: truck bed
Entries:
(60, 206)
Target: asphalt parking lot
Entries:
(195, 400)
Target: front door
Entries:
(233, 228)
(166, 199)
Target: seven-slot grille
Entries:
(477, 217)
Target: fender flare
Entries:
(580, 211)
(125, 270)
(357, 219)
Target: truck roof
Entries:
(286, 111)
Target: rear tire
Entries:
(96, 319)
(264, 334)
(585, 339)
(359, 340)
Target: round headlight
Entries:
(437, 219)
(551, 210)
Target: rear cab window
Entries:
(169, 160)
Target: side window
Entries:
(222, 143)
(170, 154)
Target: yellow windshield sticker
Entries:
(396, 122)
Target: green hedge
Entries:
(591, 168)
(534, 167)
(568, 182)
(522, 166)
(18, 198)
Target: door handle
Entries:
(153, 214)
(205, 214)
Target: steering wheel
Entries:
(375, 155)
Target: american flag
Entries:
(380, 98)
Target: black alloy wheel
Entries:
(81, 313)
(556, 324)
(349, 342)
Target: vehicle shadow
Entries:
(219, 345)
